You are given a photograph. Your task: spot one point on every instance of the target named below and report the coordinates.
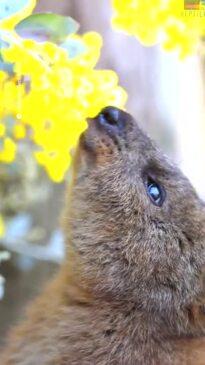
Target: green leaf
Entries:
(74, 47)
(9, 7)
(46, 27)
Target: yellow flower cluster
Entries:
(51, 95)
(164, 21)
(63, 92)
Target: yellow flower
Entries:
(163, 21)
(11, 95)
(56, 163)
(19, 131)
(51, 94)
(8, 152)
(63, 92)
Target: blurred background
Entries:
(167, 98)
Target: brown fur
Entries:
(131, 289)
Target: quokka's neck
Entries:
(175, 323)
(157, 340)
(154, 338)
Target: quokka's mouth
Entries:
(105, 132)
(97, 141)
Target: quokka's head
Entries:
(135, 225)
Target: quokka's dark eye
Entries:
(155, 192)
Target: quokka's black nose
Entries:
(112, 118)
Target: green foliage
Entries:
(46, 27)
